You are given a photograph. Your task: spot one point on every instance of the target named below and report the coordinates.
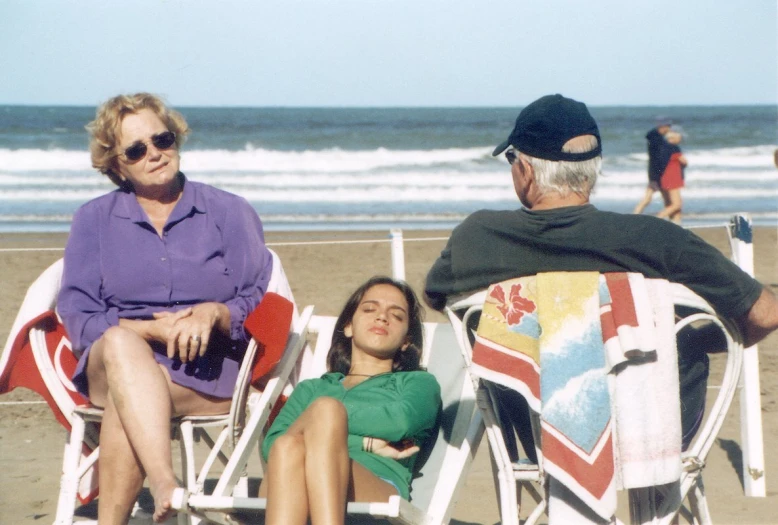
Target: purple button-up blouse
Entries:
(118, 266)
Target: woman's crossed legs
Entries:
(139, 399)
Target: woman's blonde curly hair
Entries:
(104, 129)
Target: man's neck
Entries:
(555, 200)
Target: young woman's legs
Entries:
(308, 467)
(309, 471)
(139, 400)
(366, 486)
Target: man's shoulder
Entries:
(641, 227)
(486, 218)
(490, 215)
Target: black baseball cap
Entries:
(543, 128)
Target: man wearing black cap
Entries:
(554, 152)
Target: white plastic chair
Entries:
(435, 487)
(82, 448)
(511, 478)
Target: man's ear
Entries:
(347, 331)
(526, 168)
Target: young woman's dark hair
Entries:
(339, 356)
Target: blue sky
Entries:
(390, 52)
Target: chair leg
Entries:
(68, 488)
(189, 473)
(507, 491)
(642, 505)
(699, 504)
(186, 444)
(537, 513)
(537, 497)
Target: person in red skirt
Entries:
(672, 179)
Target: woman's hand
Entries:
(395, 450)
(164, 322)
(189, 333)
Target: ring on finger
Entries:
(195, 338)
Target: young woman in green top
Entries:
(354, 433)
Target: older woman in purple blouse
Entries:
(159, 277)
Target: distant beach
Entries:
(31, 441)
(330, 169)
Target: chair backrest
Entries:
(462, 310)
(42, 361)
(445, 470)
(706, 436)
(41, 296)
(269, 325)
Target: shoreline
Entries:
(361, 223)
(31, 440)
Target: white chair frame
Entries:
(188, 430)
(512, 478)
(436, 488)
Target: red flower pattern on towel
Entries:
(514, 309)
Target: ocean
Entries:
(380, 168)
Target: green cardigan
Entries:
(391, 406)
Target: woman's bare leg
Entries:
(677, 203)
(310, 463)
(284, 483)
(126, 380)
(121, 473)
(645, 202)
(673, 205)
(366, 486)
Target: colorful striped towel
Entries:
(581, 329)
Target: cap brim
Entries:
(502, 147)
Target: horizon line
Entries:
(399, 106)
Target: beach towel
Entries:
(561, 339)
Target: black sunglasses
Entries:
(137, 150)
(511, 156)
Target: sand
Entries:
(31, 440)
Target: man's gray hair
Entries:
(565, 177)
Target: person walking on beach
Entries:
(658, 157)
(354, 433)
(554, 153)
(672, 179)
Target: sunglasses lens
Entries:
(164, 140)
(510, 155)
(136, 151)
